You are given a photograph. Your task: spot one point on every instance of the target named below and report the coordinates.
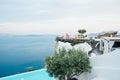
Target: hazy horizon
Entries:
(58, 16)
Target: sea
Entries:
(19, 53)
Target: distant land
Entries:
(35, 35)
(96, 34)
(2, 34)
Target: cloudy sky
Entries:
(58, 16)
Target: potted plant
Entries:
(65, 64)
(82, 31)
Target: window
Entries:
(116, 45)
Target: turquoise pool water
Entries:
(35, 75)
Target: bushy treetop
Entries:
(82, 31)
(67, 63)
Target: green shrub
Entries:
(67, 63)
(29, 69)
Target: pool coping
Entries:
(21, 74)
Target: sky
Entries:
(58, 16)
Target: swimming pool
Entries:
(34, 75)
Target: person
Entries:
(102, 50)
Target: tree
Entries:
(82, 31)
(65, 64)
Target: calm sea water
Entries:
(18, 53)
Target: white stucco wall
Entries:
(105, 67)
